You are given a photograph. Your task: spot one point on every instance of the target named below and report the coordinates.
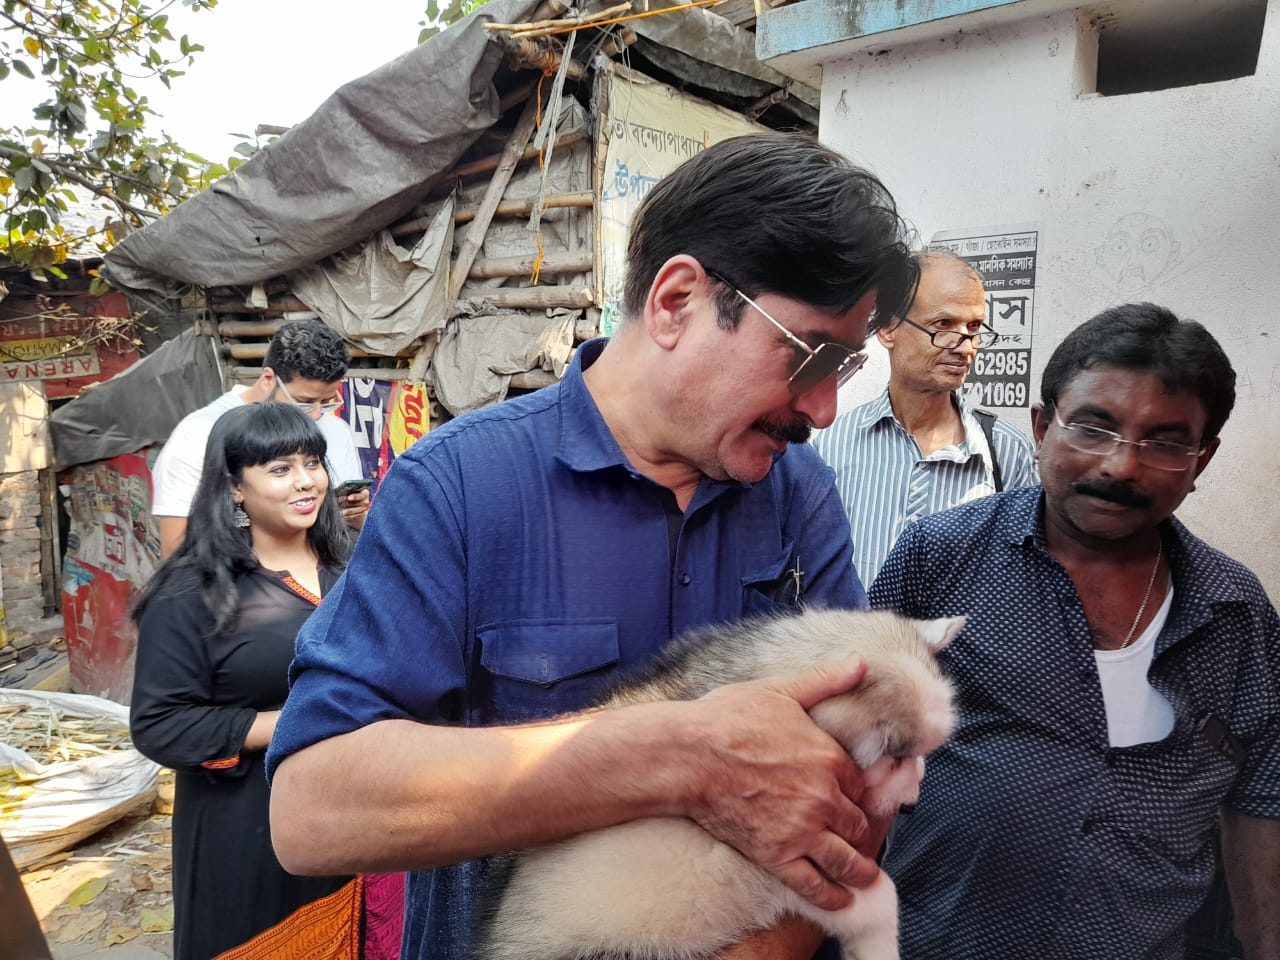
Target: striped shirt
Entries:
(885, 482)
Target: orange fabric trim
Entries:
(301, 591)
(224, 764)
(325, 929)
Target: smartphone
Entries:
(351, 486)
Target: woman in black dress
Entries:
(216, 628)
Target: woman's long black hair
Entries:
(214, 547)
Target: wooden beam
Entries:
(250, 374)
(258, 351)
(485, 164)
(508, 208)
(576, 261)
(532, 298)
(533, 379)
(470, 246)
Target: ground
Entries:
(110, 897)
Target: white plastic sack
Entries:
(47, 808)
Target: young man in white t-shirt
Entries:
(305, 364)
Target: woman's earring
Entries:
(241, 518)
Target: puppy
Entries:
(665, 889)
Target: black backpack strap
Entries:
(986, 419)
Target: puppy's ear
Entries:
(938, 634)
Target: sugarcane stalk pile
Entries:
(48, 735)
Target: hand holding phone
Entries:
(348, 487)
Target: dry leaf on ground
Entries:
(157, 921)
(86, 891)
(120, 935)
(76, 926)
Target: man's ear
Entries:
(1040, 420)
(1203, 459)
(265, 386)
(887, 334)
(676, 283)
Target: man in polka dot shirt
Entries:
(1119, 679)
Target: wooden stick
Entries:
(531, 298)
(483, 214)
(485, 164)
(522, 208)
(509, 208)
(257, 351)
(275, 305)
(250, 374)
(576, 261)
(564, 22)
(533, 379)
(530, 54)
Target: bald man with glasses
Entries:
(918, 448)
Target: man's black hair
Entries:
(1143, 336)
(776, 213)
(307, 350)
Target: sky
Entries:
(264, 62)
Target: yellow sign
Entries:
(45, 358)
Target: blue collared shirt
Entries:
(1034, 838)
(886, 483)
(514, 562)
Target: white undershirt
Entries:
(1136, 712)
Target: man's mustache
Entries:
(791, 431)
(1114, 492)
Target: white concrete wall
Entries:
(990, 128)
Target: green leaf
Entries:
(20, 66)
(24, 178)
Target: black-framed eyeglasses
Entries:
(826, 360)
(950, 339)
(1160, 454)
(310, 406)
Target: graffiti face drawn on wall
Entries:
(1138, 250)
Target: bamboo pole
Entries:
(508, 208)
(532, 298)
(480, 220)
(486, 164)
(258, 351)
(250, 374)
(576, 261)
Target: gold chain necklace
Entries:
(1151, 582)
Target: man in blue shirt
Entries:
(1118, 679)
(918, 448)
(521, 556)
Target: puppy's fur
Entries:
(665, 889)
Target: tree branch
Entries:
(68, 174)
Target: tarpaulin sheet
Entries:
(138, 407)
(361, 161)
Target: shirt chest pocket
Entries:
(532, 669)
(776, 586)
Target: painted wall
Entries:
(992, 128)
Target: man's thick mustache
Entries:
(1114, 492)
(795, 431)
